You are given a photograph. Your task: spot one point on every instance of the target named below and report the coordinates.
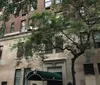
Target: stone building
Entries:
(14, 71)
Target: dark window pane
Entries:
(28, 50)
(17, 77)
(88, 69)
(4, 83)
(20, 50)
(59, 44)
(1, 51)
(48, 48)
(84, 38)
(98, 67)
(26, 71)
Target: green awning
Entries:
(44, 76)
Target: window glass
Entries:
(26, 71)
(18, 77)
(20, 50)
(48, 48)
(88, 69)
(1, 47)
(23, 26)
(4, 83)
(97, 39)
(98, 67)
(12, 27)
(47, 3)
(59, 44)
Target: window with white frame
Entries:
(47, 4)
(23, 26)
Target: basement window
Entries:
(4, 83)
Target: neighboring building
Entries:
(14, 71)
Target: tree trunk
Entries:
(73, 71)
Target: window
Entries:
(31, 8)
(4, 83)
(84, 38)
(30, 23)
(59, 44)
(48, 48)
(26, 71)
(57, 1)
(97, 39)
(88, 69)
(47, 4)
(23, 12)
(1, 51)
(12, 27)
(17, 77)
(23, 26)
(98, 67)
(20, 50)
(24, 50)
(28, 50)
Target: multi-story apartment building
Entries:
(14, 71)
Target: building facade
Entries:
(14, 71)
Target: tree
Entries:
(75, 27)
(79, 19)
(9, 7)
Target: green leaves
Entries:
(2, 30)
(16, 6)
